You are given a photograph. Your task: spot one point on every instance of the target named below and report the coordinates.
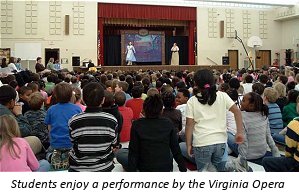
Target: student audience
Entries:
(124, 107)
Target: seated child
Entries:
(127, 114)
(57, 118)
(16, 154)
(110, 107)
(93, 133)
(24, 93)
(256, 130)
(36, 118)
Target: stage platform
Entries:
(155, 67)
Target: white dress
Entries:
(130, 53)
(175, 59)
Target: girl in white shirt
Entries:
(206, 122)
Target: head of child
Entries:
(253, 102)
(34, 86)
(9, 129)
(292, 96)
(36, 101)
(137, 92)
(168, 99)
(182, 96)
(77, 95)
(205, 83)
(258, 88)
(152, 106)
(121, 86)
(109, 99)
(120, 98)
(93, 95)
(270, 95)
(24, 93)
(63, 92)
(8, 96)
(152, 91)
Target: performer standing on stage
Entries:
(130, 51)
(175, 59)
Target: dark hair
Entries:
(3, 64)
(168, 99)
(263, 79)
(63, 92)
(74, 79)
(153, 106)
(226, 77)
(258, 88)
(185, 92)
(67, 80)
(292, 96)
(259, 106)
(283, 79)
(122, 77)
(248, 79)
(205, 82)
(93, 94)
(34, 86)
(120, 98)
(136, 91)
(233, 94)
(291, 86)
(13, 84)
(7, 93)
(109, 99)
(24, 89)
(234, 83)
(38, 58)
(11, 59)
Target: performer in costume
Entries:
(130, 51)
(175, 59)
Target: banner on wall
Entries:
(4, 53)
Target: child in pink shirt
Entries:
(15, 153)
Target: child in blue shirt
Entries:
(57, 119)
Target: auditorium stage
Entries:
(155, 67)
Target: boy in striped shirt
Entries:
(92, 134)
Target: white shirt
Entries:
(182, 108)
(210, 121)
(231, 123)
(12, 67)
(247, 88)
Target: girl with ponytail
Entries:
(206, 122)
(256, 130)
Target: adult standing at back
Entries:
(175, 58)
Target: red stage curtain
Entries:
(108, 10)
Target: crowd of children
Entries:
(61, 120)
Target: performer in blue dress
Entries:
(130, 51)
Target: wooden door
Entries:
(263, 57)
(233, 59)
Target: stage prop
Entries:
(149, 46)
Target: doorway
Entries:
(51, 53)
(233, 56)
(263, 58)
